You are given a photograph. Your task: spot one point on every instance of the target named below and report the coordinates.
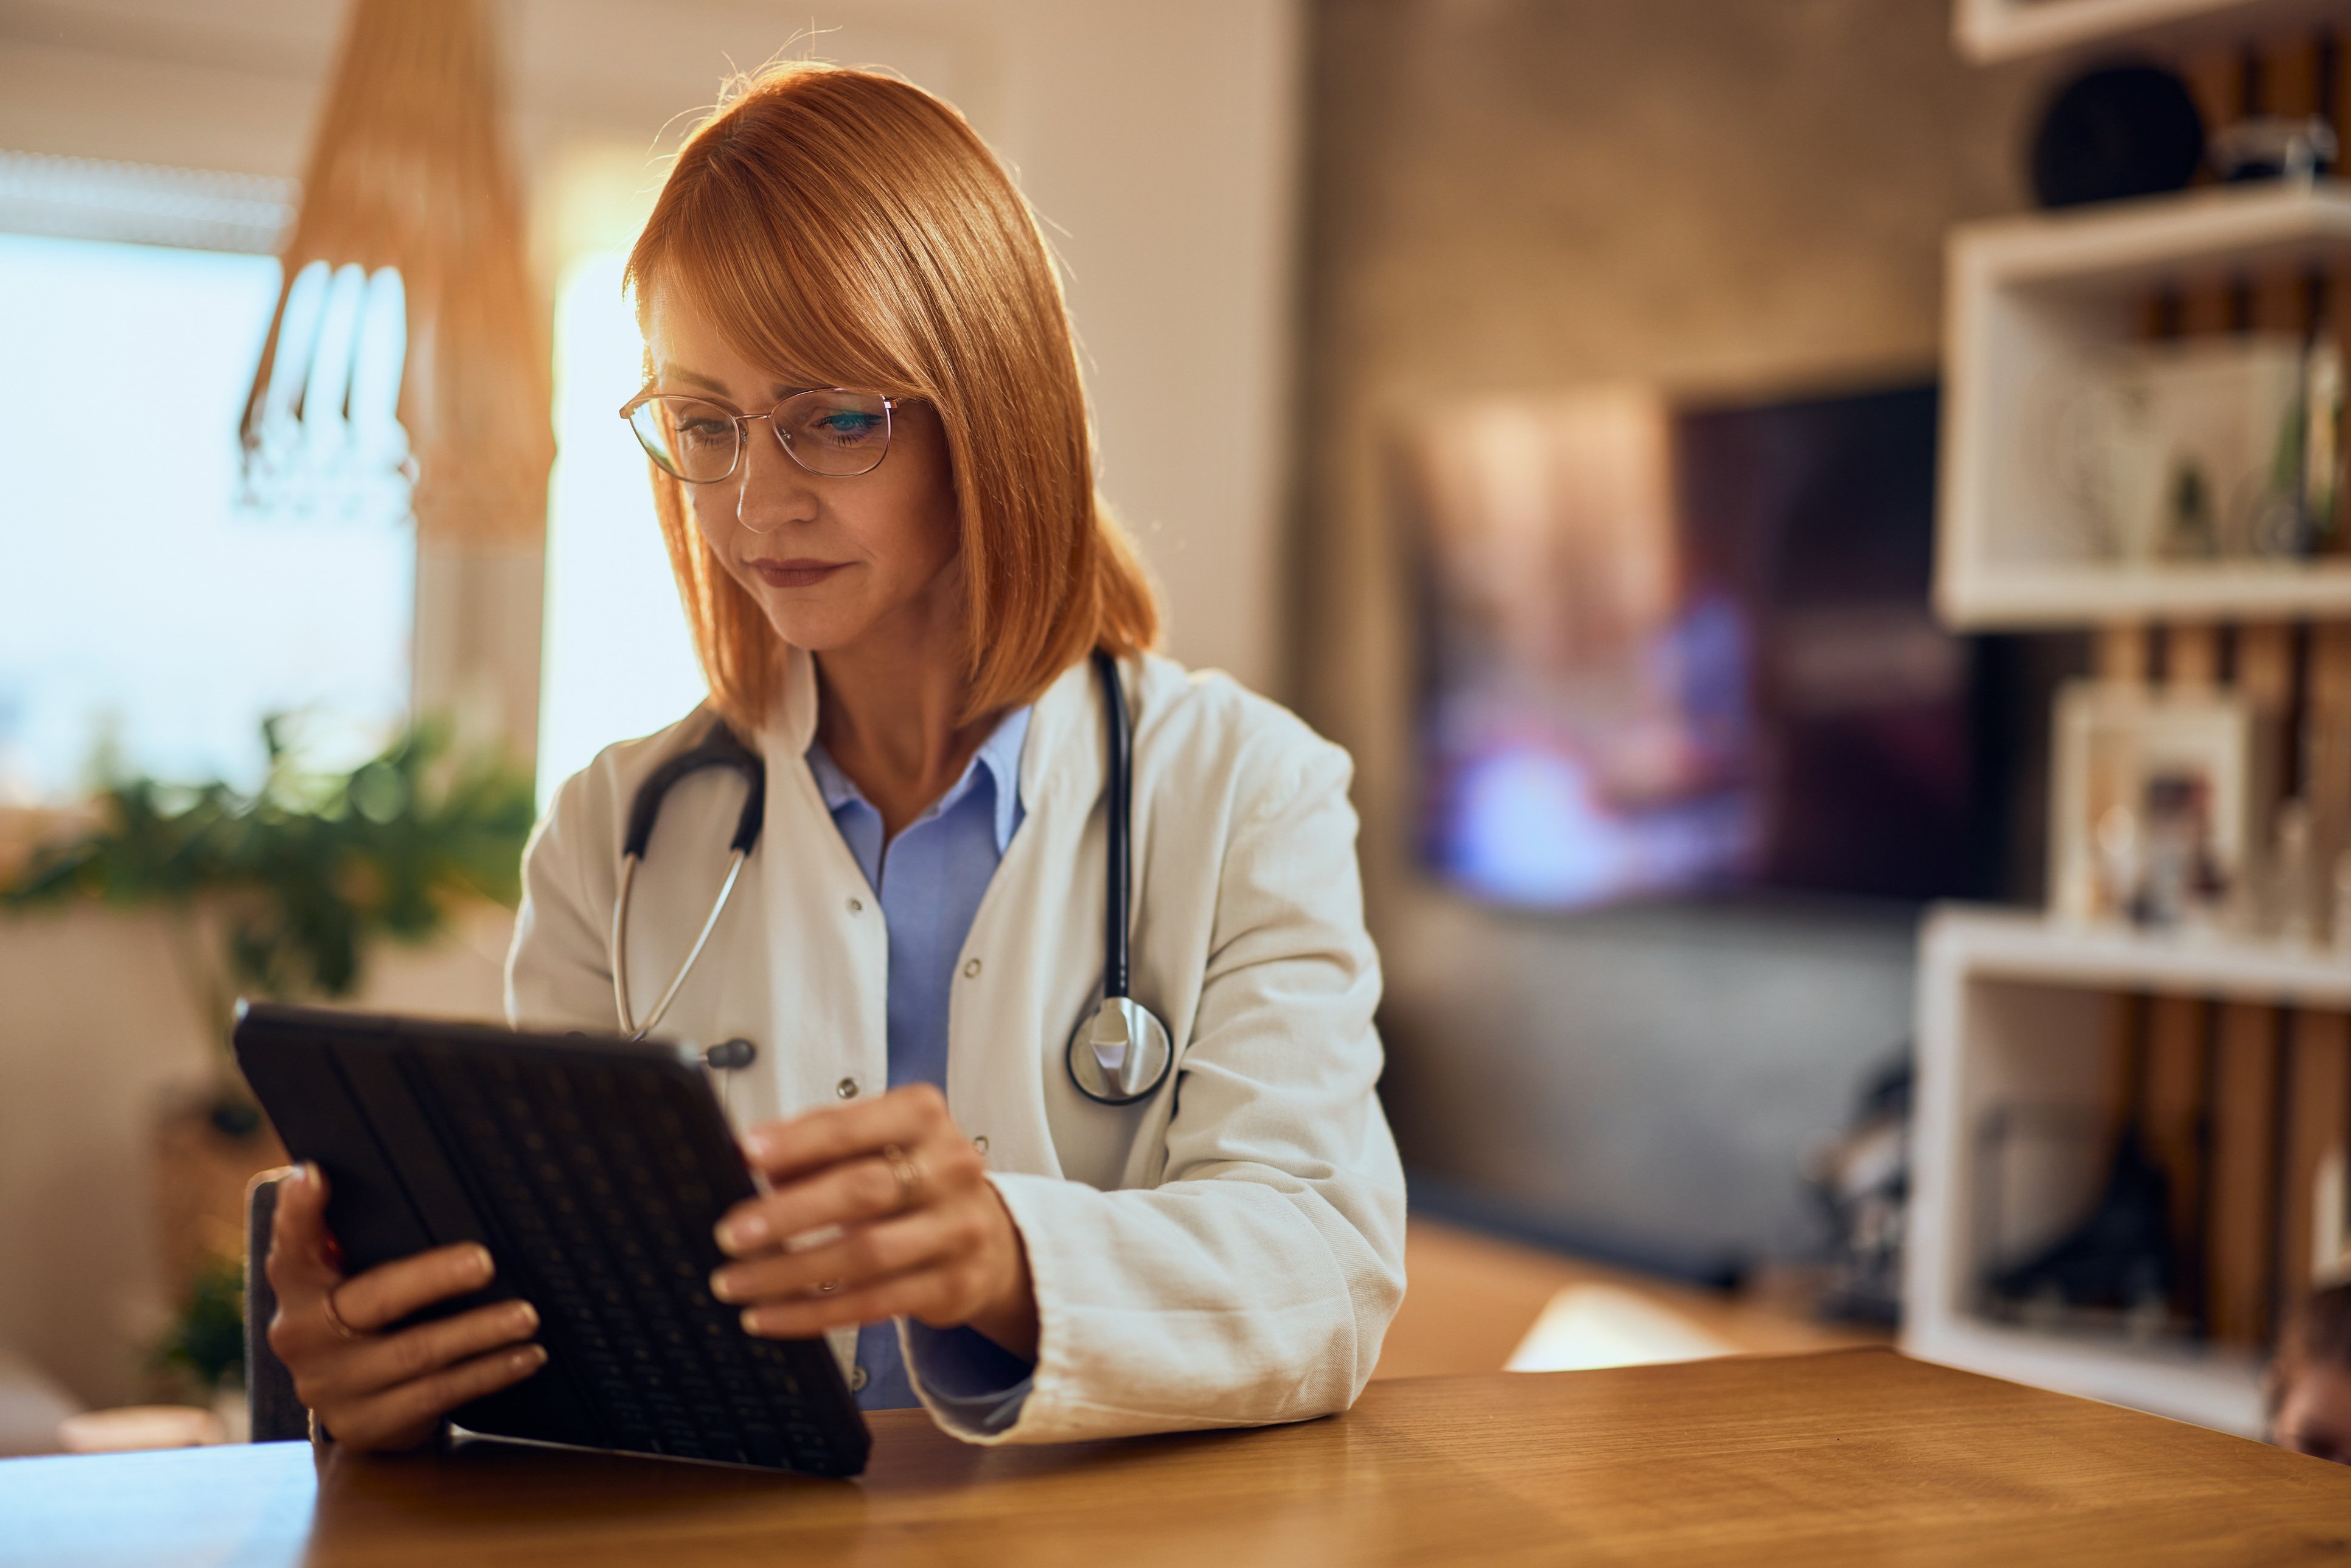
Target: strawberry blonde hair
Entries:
(846, 228)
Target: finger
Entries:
(373, 1365)
(861, 1255)
(405, 1408)
(853, 1192)
(905, 1116)
(299, 1263)
(390, 1292)
(932, 1294)
(848, 1193)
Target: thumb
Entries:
(301, 1252)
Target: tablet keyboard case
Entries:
(594, 1170)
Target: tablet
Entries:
(594, 1168)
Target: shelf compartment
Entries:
(2036, 306)
(2016, 1009)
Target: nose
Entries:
(773, 490)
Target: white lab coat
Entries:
(1226, 1252)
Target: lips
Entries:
(797, 572)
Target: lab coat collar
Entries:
(1063, 760)
(998, 757)
(1062, 757)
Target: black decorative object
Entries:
(2119, 1259)
(2116, 131)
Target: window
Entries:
(142, 610)
(619, 661)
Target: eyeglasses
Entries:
(828, 431)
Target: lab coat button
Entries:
(857, 1379)
(856, 906)
(846, 1089)
(970, 969)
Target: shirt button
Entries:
(970, 969)
(857, 1379)
(856, 906)
(980, 1143)
(846, 1089)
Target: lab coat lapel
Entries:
(827, 949)
(1032, 961)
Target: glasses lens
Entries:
(690, 438)
(838, 433)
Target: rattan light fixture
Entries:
(410, 203)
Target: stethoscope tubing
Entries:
(1119, 892)
(1138, 1029)
(629, 863)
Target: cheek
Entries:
(928, 526)
(711, 509)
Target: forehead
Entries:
(685, 347)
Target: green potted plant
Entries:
(279, 892)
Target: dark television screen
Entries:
(1674, 646)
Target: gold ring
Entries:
(334, 1319)
(907, 1172)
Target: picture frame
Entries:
(2156, 805)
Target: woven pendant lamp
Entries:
(410, 205)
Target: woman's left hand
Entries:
(877, 1210)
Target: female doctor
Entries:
(874, 472)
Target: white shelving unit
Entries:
(1991, 30)
(2034, 304)
(2010, 1010)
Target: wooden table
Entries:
(1847, 1457)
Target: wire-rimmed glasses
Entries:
(827, 429)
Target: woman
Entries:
(894, 590)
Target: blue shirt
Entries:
(929, 880)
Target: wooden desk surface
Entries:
(1847, 1457)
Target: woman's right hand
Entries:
(368, 1388)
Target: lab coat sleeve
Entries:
(1255, 1284)
(559, 973)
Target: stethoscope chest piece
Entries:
(1121, 1053)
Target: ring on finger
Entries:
(334, 1319)
(907, 1172)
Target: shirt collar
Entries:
(1000, 754)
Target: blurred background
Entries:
(1816, 519)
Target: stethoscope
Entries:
(1117, 1056)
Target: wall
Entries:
(1158, 142)
(1513, 194)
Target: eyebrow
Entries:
(676, 372)
(777, 390)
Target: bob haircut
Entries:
(846, 228)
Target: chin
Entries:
(813, 628)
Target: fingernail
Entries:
(478, 1264)
(306, 1172)
(531, 1356)
(751, 1320)
(758, 1144)
(722, 1285)
(742, 1235)
(526, 1316)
